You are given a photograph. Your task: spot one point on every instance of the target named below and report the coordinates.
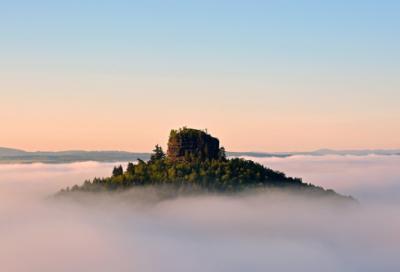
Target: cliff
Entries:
(186, 144)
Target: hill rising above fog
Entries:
(197, 164)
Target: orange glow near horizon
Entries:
(139, 115)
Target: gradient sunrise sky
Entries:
(260, 75)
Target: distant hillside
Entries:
(256, 154)
(11, 152)
(16, 152)
(321, 152)
(9, 155)
(357, 152)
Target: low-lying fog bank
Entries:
(372, 179)
(247, 233)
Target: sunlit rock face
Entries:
(186, 142)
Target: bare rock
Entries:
(186, 144)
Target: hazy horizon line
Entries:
(259, 152)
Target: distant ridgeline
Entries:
(12, 156)
(196, 164)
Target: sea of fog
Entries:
(247, 233)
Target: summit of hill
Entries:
(186, 144)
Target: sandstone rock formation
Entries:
(186, 144)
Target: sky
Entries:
(266, 232)
(259, 75)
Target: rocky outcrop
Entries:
(191, 143)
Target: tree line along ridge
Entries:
(194, 163)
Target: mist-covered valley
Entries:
(264, 232)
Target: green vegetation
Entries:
(188, 133)
(210, 177)
(158, 155)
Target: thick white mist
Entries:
(246, 233)
(371, 179)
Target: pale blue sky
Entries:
(292, 67)
(207, 36)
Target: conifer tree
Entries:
(222, 153)
(130, 168)
(157, 155)
(117, 171)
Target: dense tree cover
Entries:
(216, 176)
(185, 132)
